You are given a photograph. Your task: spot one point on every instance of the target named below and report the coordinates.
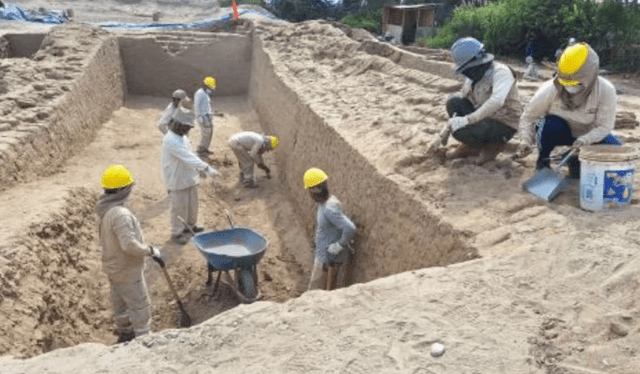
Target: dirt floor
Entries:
(556, 291)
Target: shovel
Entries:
(548, 183)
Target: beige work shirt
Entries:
(122, 258)
(494, 96)
(591, 122)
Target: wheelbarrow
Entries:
(237, 249)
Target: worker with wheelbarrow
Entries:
(575, 108)
(333, 231)
(123, 253)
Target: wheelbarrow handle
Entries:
(226, 212)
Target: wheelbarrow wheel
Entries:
(247, 286)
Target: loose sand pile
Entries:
(557, 291)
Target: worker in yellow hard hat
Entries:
(204, 113)
(333, 228)
(249, 146)
(575, 108)
(123, 253)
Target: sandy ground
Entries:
(556, 292)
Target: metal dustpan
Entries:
(548, 183)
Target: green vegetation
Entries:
(228, 3)
(610, 27)
(369, 21)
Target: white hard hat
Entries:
(179, 94)
(183, 116)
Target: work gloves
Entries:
(266, 170)
(456, 123)
(155, 255)
(578, 143)
(334, 254)
(211, 172)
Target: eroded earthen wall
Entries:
(158, 63)
(395, 232)
(53, 104)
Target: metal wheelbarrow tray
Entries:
(239, 249)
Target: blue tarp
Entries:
(210, 22)
(15, 13)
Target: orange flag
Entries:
(235, 10)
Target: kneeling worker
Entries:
(123, 253)
(485, 114)
(333, 228)
(248, 147)
(577, 108)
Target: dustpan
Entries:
(548, 183)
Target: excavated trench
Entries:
(93, 99)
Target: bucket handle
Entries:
(565, 159)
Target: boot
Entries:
(461, 151)
(126, 336)
(490, 152)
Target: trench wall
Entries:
(23, 45)
(47, 120)
(158, 63)
(396, 233)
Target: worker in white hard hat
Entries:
(249, 146)
(181, 168)
(202, 106)
(575, 108)
(484, 114)
(123, 253)
(333, 229)
(179, 98)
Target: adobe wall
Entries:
(158, 63)
(53, 103)
(396, 232)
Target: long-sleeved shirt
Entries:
(252, 142)
(591, 122)
(122, 242)
(180, 165)
(494, 96)
(165, 118)
(202, 103)
(332, 226)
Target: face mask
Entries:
(574, 90)
(208, 91)
(476, 73)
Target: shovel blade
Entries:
(546, 184)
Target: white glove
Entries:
(332, 253)
(457, 123)
(579, 143)
(211, 172)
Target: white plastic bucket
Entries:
(606, 176)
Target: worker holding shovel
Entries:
(333, 231)
(123, 253)
(575, 108)
(484, 114)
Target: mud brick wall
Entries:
(156, 64)
(75, 90)
(395, 232)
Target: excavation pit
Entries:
(102, 108)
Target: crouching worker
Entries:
(577, 108)
(123, 253)
(181, 168)
(485, 114)
(333, 228)
(248, 147)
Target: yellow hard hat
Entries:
(210, 82)
(314, 177)
(116, 176)
(572, 59)
(274, 142)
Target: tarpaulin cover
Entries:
(15, 13)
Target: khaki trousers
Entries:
(206, 133)
(246, 164)
(184, 203)
(131, 305)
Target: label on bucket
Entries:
(617, 186)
